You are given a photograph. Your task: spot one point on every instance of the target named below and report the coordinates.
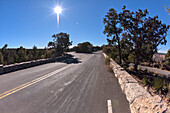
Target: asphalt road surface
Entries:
(164, 72)
(75, 87)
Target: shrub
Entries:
(107, 61)
(85, 47)
(165, 89)
(145, 81)
(158, 84)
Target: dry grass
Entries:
(107, 60)
(131, 68)
(107, 65)
(157, 84)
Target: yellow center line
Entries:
(2, 95)
(24, 84)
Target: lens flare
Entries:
(58, 9)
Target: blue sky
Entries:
(32, 22)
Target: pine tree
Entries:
(143, 33)
(113, 29)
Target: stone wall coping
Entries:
(22, 65)
(139, 99)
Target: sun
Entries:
(58, 9)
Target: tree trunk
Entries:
(136, 62)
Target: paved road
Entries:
(83, 87)
(164, 72)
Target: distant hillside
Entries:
(159, 57)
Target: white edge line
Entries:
(109, 105)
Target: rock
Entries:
(139, 99)
(134, 90)
(149, 104)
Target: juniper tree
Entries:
(34, 53)
(5, 54)
(85, 47)
(61, 42)
(21, 54)
(113, 29)
(143, 33)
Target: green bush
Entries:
(145, 81)
(112, 52)
(17, 55)
(158, 84)
(107, 61)
(85, 47)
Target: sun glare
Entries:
(58, 9)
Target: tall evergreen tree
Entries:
(34, 53)
(21, 53)
(113, 28)
(6, 55)
(85, 47)
(61, 42)
(143, 33)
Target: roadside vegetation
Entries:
(60, 43)
(133, 37)
(55, 48)
(107, 65)
(85, 47)
(152, 81)
(167, 61)
(134, 34)
(163, 64)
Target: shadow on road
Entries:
(69, 60)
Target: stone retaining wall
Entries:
(140, 100)
(23, 65)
